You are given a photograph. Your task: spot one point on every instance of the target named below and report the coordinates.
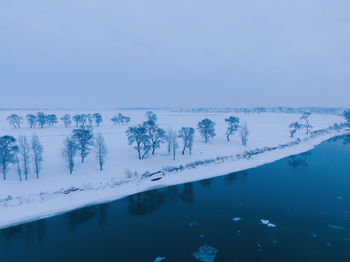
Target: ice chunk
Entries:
(205, 253)
(265, 221)
(158, 259)
(259, 246)
(314, 235)
(193, 223)
(236, 219)
(337, 227)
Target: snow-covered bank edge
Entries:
(27, 208)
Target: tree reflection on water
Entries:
(26, 232)
(299, 160)
(149, 201)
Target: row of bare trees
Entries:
(81, 143)
(41, 119)
(25, 154)
(148, 136)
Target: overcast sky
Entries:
(187, 53)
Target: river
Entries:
(295, 209)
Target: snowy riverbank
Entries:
(57, 191)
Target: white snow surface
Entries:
(34, 199)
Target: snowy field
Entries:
(48, 195)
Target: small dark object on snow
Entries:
(70, 190)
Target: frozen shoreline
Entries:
(30, 207)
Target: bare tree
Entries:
(244, 134)
(83, 120)
(156, 134)
(206, 128)
(307, 125)
(101, 150)
(125, 120)
(77, 119)
(138, 135)
(83, 139)
(31, 120)
(187, 133)
(15, 120)
(24, 151)
(114, 119)
(233, 124)
(98, 118)
(90, 119)
(67, 120)
(51, 119)
(69, 151)
(8, 149)
(169, 136)
(19, 172)
(171, 139)
(37, 150)
(175, 145)
(41, 118)
(294, 127)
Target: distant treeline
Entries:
(281, 109)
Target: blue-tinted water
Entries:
(307, 197)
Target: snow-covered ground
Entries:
(50, 195)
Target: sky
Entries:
(183, 53)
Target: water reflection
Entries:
(80, 216)
(236, 177)
(42, 227)
(187, 194)
(299, 160)
(9, 233)
(145, 202)
(102, 217)
(206, 182)
(344, 138)
(27, 232)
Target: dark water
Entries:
(307, 197)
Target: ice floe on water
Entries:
(336, 227)
(193, 223)
(205, 253)
(267, 223)
(259, 246)
(313, 235)
(158, 259)
(236, 219)
(264, 221)
(339, 197)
